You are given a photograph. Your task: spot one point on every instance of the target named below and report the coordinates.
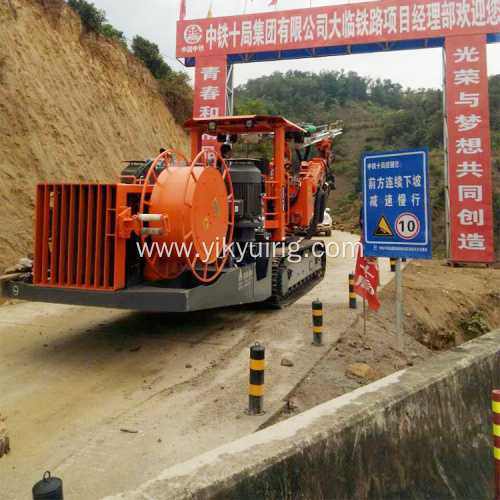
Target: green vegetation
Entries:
(149, 53)
(377, 115)
(178, 95)
(174, 86)
(112, 33)
(477, 324)
(92, 18)
(391, 116)
(409, 118)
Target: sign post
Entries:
(399, 305)
(396, 212)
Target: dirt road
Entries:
(72, 377)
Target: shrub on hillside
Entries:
(112, 33)
(174, 86)
(92, 18)
(478, 324)
(149, 53)
(178, 95)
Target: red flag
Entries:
(366, 280)
(182, 15)
(273, 2)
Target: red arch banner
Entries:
(361, 23)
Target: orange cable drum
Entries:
(197, 200)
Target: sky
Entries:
(156, 20)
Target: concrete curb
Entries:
(421, 432)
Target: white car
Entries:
(327, 224)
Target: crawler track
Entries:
(284, 297)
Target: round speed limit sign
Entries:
(407, 226)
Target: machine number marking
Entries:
(15, 290)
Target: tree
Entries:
(92, 18)
(358, 86)
(252, 107)
(149, 53)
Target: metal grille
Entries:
(75, 236)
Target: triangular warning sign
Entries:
(383, 229)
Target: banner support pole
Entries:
(446, 164)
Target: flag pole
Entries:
(364, 316)
(245, 8)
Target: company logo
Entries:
(193, 34)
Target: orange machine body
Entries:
(281, 188)
(310, 179)
(83, 231)
(275, 200)
(77, 244)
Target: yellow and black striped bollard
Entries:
(353, 303)
(352, 229)
(334, 225)
(256, 386)
(342, 227)
(496, 441)
(317, 317)
(393, 265)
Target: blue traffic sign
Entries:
(396, 204)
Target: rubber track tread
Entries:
(280, 300)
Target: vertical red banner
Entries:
(469, 150)
(210, 92)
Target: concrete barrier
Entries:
(424, 432)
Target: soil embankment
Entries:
(72, 107)
(443, 308)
